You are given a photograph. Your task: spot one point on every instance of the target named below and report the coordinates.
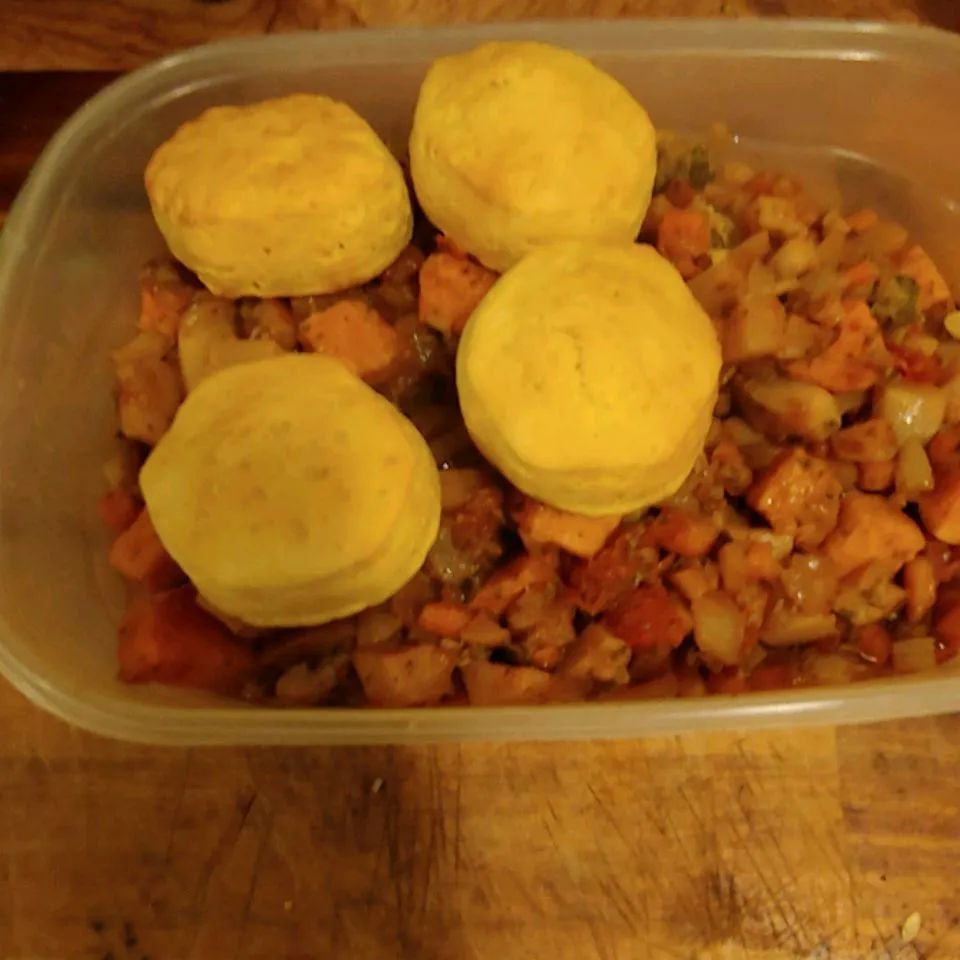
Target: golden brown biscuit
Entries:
(588, 375)
(281, 198)
(292, 493)
(519, 144)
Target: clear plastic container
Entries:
(870, 110)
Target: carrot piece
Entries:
(947, 631)
(138, 555)
(167, 638)
(862, 220)
(118, 509)
(920, 582)
(451, 287)
(860, 277)
(875, 644)
(356, 335)
(682, 237)
(445, 618)
(940, 508)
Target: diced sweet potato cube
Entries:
(451, 287)
(167, 638)
(649, 617)
(870, 528)
(405, 676)
(683, 533)
(610, 573)
(579, 535)
(138, 555)
(354, 333)
(682, 237)
(799, 495)
(940, 509)
(855, 358)
(509, 582)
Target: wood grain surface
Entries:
(119, 34)
(801, 845)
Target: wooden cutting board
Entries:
(803, 845)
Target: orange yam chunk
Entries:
(940, 508)
(450, 289)
(509, 582)
(167, 638)
(581, 536)
(138, 555)
(853, 360)
(649, 617)
(870, 528)
(682, 237)
(356, 335)
(684, 533)
(607, 575)
(799, 495)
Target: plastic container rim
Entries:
(887, 699)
